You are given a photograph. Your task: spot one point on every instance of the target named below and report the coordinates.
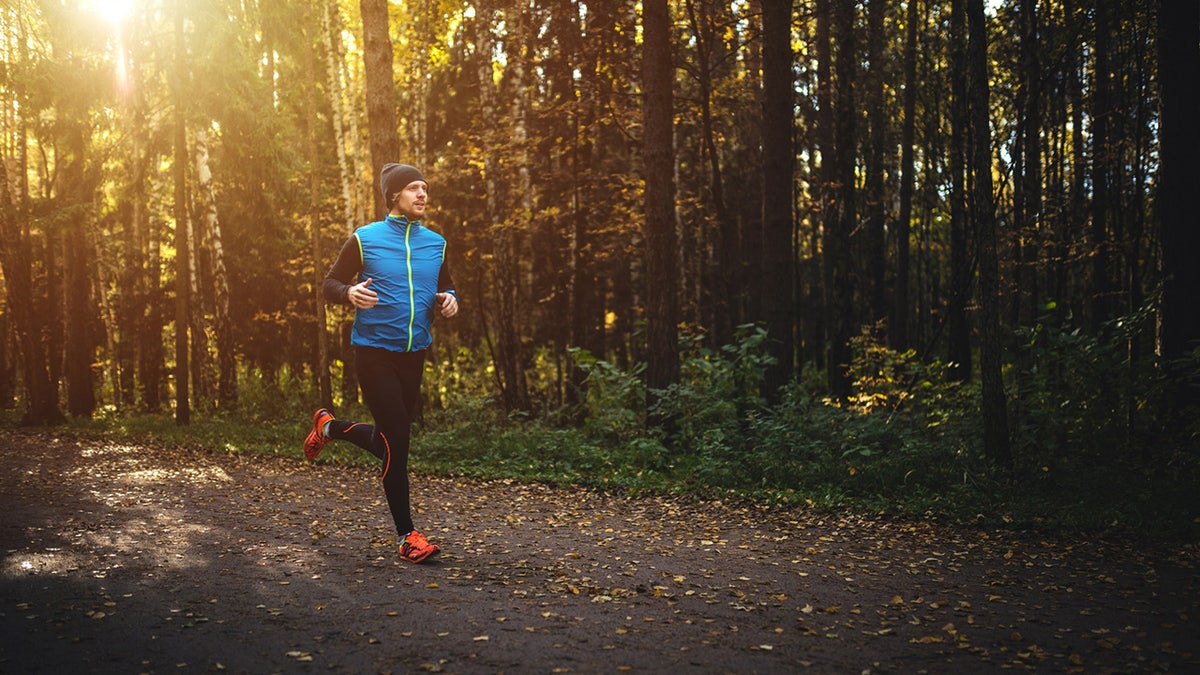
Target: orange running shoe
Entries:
(416, 548)
(316, 440)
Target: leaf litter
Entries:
(144, 557)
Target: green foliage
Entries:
(907, 442)
(615, 398)
(1084, 397)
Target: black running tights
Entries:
(391, 387)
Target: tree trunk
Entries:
(960, 259)
(983, 214)
(845, 216)
(381, 92)
(778, 282)
(331, 24)
(183, 271)
(41, 400)
(1179, 183)
(822, 329)
(1102, 162)
(586, 304)
(902, 310)
(1027, 196)
(211, 227)
(718, 280)
(350, 168)
(875, 169)
(79, 310)
(509, 231)
(662, 305)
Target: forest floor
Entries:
(130, 558)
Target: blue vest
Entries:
(403, 261)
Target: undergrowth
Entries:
(1093, 449)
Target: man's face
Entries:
(411, 200)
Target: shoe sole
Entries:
(417, 561)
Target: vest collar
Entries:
(402, 221)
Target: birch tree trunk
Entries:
(510, 261)
(211, 227)
(314, 219)
(203, 389)
(331, 22)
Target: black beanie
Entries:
(395, 177)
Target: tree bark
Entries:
(1102, 150)
(381, 92)
(1179, 183)
(983, 214)
(509, 231)
(1028, 204)
(41, 400)
(845, 215)
(79, 310)
(778, 284)
(222, 326)
(819, 307)
(902, 310)
(960, 258)
(662, 310)
(718, 281)
(182, 244)
(875, 168)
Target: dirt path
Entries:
(126, 558)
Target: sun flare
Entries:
(112, 10)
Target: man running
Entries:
(394, 273)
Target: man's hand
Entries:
(447, 303)
(362, 297)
